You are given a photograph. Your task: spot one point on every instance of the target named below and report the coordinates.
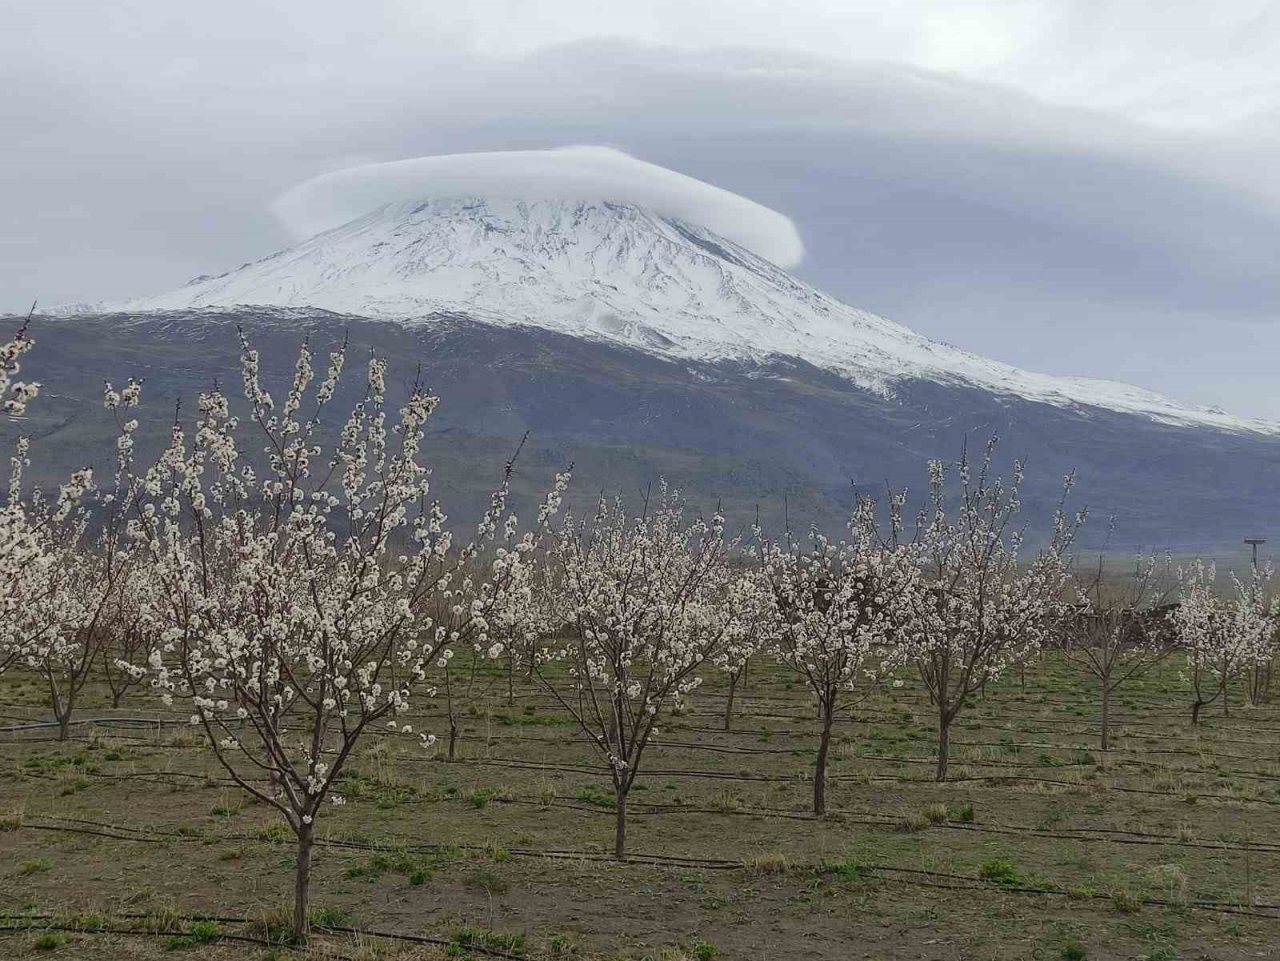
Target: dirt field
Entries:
(118, 842)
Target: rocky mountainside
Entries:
(784, 436)
(622, 275)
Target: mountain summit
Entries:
(628, 275)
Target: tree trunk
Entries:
(1226, 712)
(944, 744)
(1195, 711)
(728, 708)
(1106, 715)
(302, 885)
(61, 707)
(62, 711)
(820, 766)
(453, 721)
(620, 823)
(511, 681)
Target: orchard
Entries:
(632, 728)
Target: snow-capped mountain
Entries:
(623, 274)
(641, 324)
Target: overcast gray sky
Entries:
(1084, 187)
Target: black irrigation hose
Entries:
(101, 721)
(48, 922)
(1253, 775)
(516, 763)
(987, 719)
(425, 939)
(520, 764)
(45, 923)
(645, 809)
(1093, 734)
(1091, 749)
(914, 876)
(150, 836)
(807, 750)
(1088, 748)
(158, 721)
(1219, 907)
(959, 761)
(1115, 757)
(924, 714)
(799, 778)
(155, 777)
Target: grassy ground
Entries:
(115, 844)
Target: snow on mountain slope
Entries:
(622, 273)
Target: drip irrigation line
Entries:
(996, 779)
(916, 877)
(48, 922)
(643, 809)
(163, 777)
(1134, 760)
(101, 721)
(476, 734)
(1270, 912)
(45, 923)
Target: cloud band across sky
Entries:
(1077, 188)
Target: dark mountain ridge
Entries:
(779, 435)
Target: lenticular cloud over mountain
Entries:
(581, 174)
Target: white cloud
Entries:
(580, 173)
(1082, 186)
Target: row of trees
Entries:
(295, 596)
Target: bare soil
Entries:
(115, 843)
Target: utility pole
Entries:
(1254, 542)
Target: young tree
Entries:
(130, 634)
(1121, 627)
(26, 570)
(1223, 638)
(517, 606)
(982, 608)
(24, 559)
(1259, 619)
(645, 598)
(70, 625)
(293, 607)
(87, 584)
(839, 613)
(444, 617)
(531, 606)
(749, 597)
